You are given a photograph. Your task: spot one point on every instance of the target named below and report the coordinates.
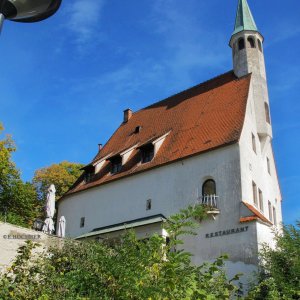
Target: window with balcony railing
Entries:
(209, 194)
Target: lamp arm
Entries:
(2, 18)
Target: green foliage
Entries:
(13, 219)
(62, 175)
(279, 276)
(17, 199)
(130, 269)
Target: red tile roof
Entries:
(200, 119)
(256, 215)
(248, 219)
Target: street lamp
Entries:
(27, 11)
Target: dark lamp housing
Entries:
(28, 11)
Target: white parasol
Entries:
(50, 210)
(48, 226)
(50, 202)
(61, 227)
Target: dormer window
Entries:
(89, 174)
(151, 148)
(116, 164)
(147, 153)
(137, 129)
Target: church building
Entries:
(210, 144)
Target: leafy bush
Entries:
(17, 198)
(131, 269)
(279, 276)
(13, 219)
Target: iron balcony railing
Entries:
(210, 200)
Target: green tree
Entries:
(62, 175)
(18, 200)
(130, 269)
(279, 276)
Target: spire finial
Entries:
(244, 19)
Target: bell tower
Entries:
(248, 57)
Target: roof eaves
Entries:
(233, 142)
(256, 213)
(125, 225)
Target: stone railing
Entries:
(12, 237)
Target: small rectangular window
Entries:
(274, 216)
(270, 211)
(254, 190)
(267, 112)
(82, 221)
(253, 143)
(148, 204)
(268, 166)
(261, 200)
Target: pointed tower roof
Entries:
(244, 19)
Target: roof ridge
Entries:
(202, 84)
(190, 89)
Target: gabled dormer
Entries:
(149, 149)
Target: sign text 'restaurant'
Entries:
(226, 232)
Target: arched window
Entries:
(259, 45)
(251, 42)
(209, 188)
(241, 43)
(267, 112)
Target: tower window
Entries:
(147, 153)
(251, 42)
(209, 188)
(267, 112)
(254, 191)
(261, 200)
(270, 211)
(241, 43)
(274, 216)
(253, 143)
(116, 164)
(259, 45)
(268, 165)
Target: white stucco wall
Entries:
(175, 186)
(171, 188)
(254, 168)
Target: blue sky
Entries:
(66, 81)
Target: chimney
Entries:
(127, 115)
(100, 147)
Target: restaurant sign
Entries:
(226, 232)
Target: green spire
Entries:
(244, 19)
